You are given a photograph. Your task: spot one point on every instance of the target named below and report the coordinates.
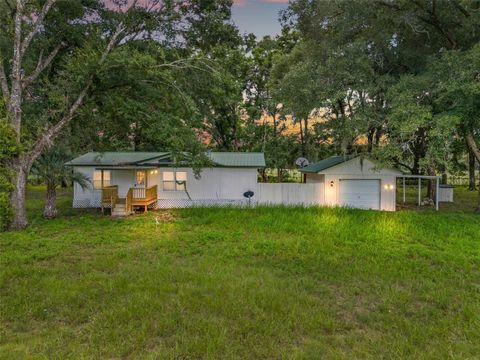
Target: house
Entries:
(353, 181)
(124, 180)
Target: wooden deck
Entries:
(135, 197)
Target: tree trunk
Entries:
(416, 164)
(472, 145)
(17, 197)
(370, 135)
(430, 187)
(302, 138)
(50, 211)
(471, 171)
(264, 175)
(444, 177)
(378, 136)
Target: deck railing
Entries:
(138, 193)
(134, 197)
(145, 193)
(151, 192)
(109, 196)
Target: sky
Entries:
(258, 16)
(251, 16)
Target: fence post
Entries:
(419, 191)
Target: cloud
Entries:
(275, 1)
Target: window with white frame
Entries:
(174, 180)
(101, 178)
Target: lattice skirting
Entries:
(185, 203)
(82, 203)
(168, 203)
(87, 203)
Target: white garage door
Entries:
(363, 194)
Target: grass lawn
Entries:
(242, 283)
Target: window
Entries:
(101, 178)
(141, 178)
(174, 180)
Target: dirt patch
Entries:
(164, 216)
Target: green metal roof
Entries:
(226, 159)
(327, 163)
(237, 159)
(113, 158)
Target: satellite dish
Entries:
(248, 194)
(301, 162)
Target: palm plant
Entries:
(51, 170)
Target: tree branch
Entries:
(36, 26)
(42, 64)
(52, 132)
(473, 145)
(435, 22)
(398, 162)
(460, 8)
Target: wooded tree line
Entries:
(397, 79)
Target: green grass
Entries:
(241, 283)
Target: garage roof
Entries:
(327, 163)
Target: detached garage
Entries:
(355, 182)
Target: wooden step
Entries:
(119, 210)
(119, 214)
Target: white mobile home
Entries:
(124, 179)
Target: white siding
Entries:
(124, 179)
(315, 178)
(445, 194)
(289, 194)
(215, 184)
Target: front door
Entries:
(141, 178)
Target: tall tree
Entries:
(352, 53)
(58, 60)
(41, 31)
